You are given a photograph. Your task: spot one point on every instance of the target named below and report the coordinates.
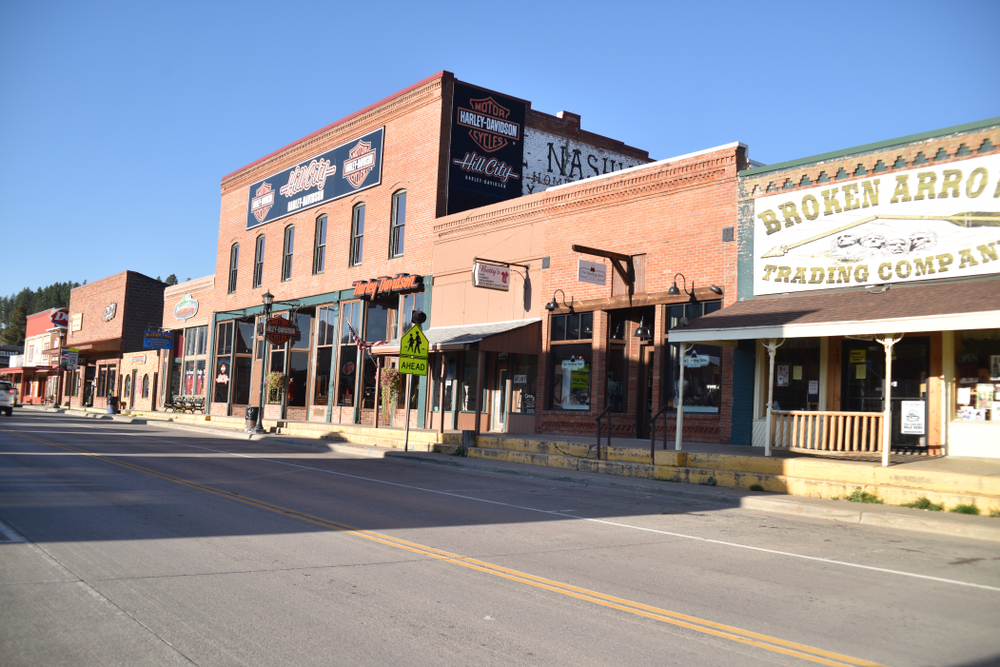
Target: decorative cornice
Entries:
(636, 183)
(844, 169)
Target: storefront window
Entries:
(617, 376)
(102, 380)
(449, 373)
(702, 364)
(796, 375)
(326, 333)
(470, 377)
(977, 370)
(570, 374)
(524, 383)
(348, 357)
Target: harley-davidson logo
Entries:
(488, 124)
(262, 202)
(362, 161)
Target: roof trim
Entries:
(868, 148)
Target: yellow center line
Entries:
(720, 630)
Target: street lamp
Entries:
(268, 299)
(673, 291)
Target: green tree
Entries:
(13, 333)
(171, 279)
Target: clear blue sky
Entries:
(119, 119)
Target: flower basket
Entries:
(275, 385)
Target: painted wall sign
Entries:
(186, 308)
(158, 340)
(109, 311)
(138, 359)
(487, 148)
(553, 160)
(402, 282)
(595, 273)
(60, 317)
(917, 224)
(76, 322)
(491, 276)
(341, 171)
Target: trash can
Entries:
(112, 405)
(251, 417)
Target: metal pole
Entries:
(406, 440)
(259, 428)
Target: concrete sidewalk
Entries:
(791, 483)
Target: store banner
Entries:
(339, 172)
(487, 148)
(923, 223)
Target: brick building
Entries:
(868, 318)
(107, 322)
(36, 375)
(339, 228)
(563, 335)
(187, 316)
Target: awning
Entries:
(517, 336)
(927, 306)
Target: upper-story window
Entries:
(286, 256)
(357, 234)
(397, 232)
(234, 265)
(319, 249)
(258, 266)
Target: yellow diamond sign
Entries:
(413, 344)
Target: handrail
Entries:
(599, 418)
(652, 431)
(828, 430)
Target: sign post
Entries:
(412, 361)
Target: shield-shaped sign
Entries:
(262, 201)
(280, 330)
(362, 161)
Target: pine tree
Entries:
(171, 279)
(13, 334)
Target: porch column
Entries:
(772, 344)
(682, 350)
(888, 341)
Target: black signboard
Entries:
(487, 148)
(344, 170)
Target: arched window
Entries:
(357, 234)
(127, 389)
(286, 255)
(258, 267)
(319, 249)
(398, 229)
(234, 265)
(145, 385)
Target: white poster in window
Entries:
(782, 375)
(964, 395)
(813, 387)
(911, 418)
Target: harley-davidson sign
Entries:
(355, 165)
(487, 148)
(280, 330)
(402, 282)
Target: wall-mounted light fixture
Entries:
(673, 291)
(552, 305)
(643, 331)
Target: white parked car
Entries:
(8, 397)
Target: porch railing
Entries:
(848, 432)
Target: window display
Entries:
(977, 370)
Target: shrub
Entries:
(924, 504)
(757, 487)
(965, 509)
(860, 496)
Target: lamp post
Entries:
(268, 299)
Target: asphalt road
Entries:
(128, 544)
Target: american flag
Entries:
(362, 345)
